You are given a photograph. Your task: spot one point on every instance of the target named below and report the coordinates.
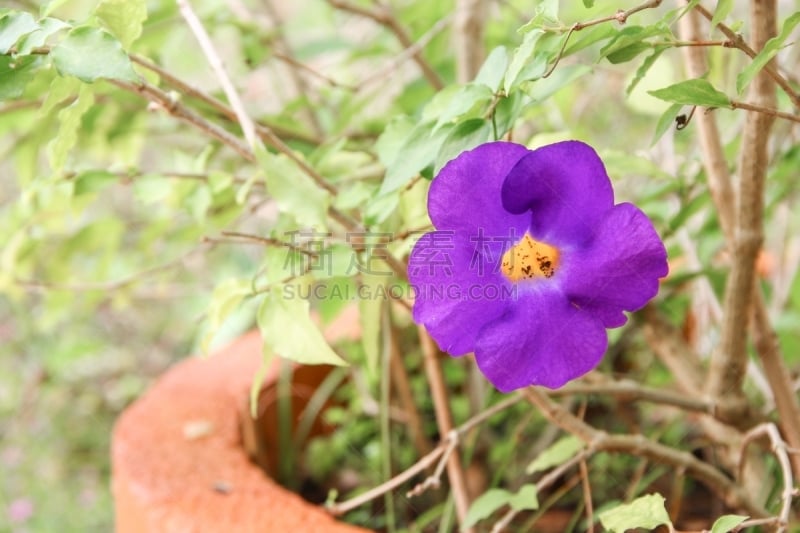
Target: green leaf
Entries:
(287, 329)
(725, 523)
(507, 112)
(556, 454)
(546, 13)
(465, 136)
(124, 18)
(47, 27)
(15, 73)
(666, 120)
(486, 504)
(70, 124)
(90, 53)
(771, 48)
(588, 37)
(647, 512)
(14, 26)
(468, 97)
(59, 91)
(51, 6)
(624, 55)
(294, 191)
(392, 139)
(93, 181)
(224, 301)
(632, 36)
(721, 13)
(526, 499)
(588, 4)
(493, 69)
(416, 153)
(693, 92)
(645, 66)
(520, 59)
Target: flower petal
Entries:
(566, 188)
(543, 340)
(620, 269)
(465, 195)
(457, 289)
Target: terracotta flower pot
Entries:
(178, 459)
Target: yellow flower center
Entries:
(529, 259)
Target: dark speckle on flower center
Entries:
(529, 259)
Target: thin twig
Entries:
(764, 110)
(778, 448)
(620, 16)
(444, 420)
(425, 462)
(434, 480)
(386, 18)
(338, 509)
(298, 66)
(408, 53)
(105, 286)
(270, 241)
(587, 496)
(214, 60)
(631, 390)
(402, 385)
(282, 47)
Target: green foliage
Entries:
(693, 92)
(123, 18)
(89, 53)
(493, 499)
(288, 330)
(14, 26)
(646, 512)
(726, 523)
(556, 454)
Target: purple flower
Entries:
(539, 262)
